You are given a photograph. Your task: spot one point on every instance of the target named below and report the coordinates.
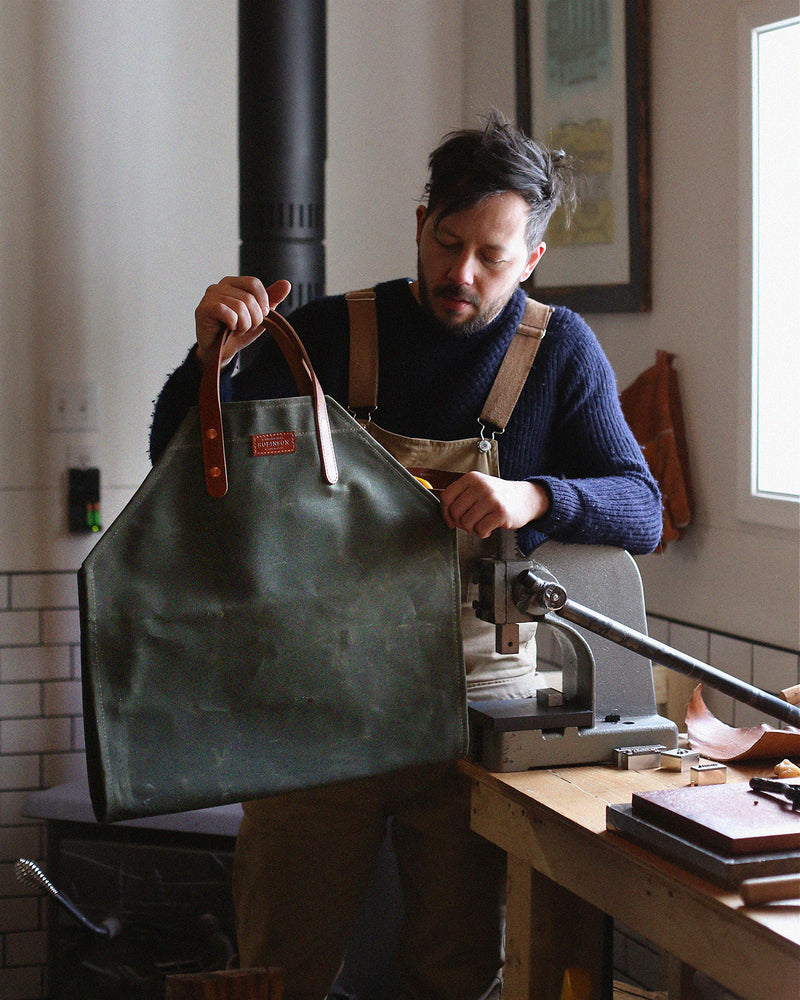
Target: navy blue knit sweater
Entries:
(567, 431)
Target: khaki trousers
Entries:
(304, 862)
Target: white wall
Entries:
(395, 81)
(120, 171)
(726, 573)
(118, 184)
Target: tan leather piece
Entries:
(652, 408)
(717, 741)
(516, 365)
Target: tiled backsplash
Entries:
(766, 667)
(41, 731)
(41, 744)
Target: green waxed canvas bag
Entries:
(277, 607)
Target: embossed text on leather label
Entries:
(279, 443)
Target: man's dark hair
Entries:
(473, 164)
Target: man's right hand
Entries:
(238, 304)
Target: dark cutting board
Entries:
(729, 819)
(727, 870)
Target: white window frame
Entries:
(761, 508)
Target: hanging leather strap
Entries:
(503, 396)
(212, 439)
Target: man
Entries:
(563, 465)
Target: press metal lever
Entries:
(528, 588)
(534, 596)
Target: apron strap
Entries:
(363, 390)
(516, 364)
(503, 396)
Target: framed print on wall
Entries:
(582, 86)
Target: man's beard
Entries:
(463, 328)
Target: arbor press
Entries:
(606, 699)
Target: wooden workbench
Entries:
(569, 876)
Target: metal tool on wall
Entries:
(155, 935)
(29, 873)
(607, 698)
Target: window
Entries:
(771, 262)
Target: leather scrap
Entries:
(718, 741)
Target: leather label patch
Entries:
(280, 443)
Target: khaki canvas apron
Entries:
(489, 674)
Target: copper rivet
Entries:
(215, 471)
(211, 433)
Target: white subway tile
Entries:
(60, 767)
(12, 804)
(25, 981)
(692, 642)
(62, 698)
(34, 735)
(689, 640)
(658, 628)
(745, 716)
(20, 913)
(9, 884)
(60, 627)
(733, 656)
(78, 734)
(76, 663)
(20, 842)
(33, 663)
(720, 705)
(774, 669)
(20, 700)
(26, 948)
(19, 628)
(44, 590)
(19, 770)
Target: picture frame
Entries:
(582, 82)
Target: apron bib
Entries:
(489, 674)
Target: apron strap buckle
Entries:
(363, 414)
(487, 436)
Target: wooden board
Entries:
(729, 819)
(727, 871)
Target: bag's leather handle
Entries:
(211, 410)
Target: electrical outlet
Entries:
(81, 451)
(72, 406)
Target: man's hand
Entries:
(238, 304)
(478, 503)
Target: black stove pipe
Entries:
(283, 144)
